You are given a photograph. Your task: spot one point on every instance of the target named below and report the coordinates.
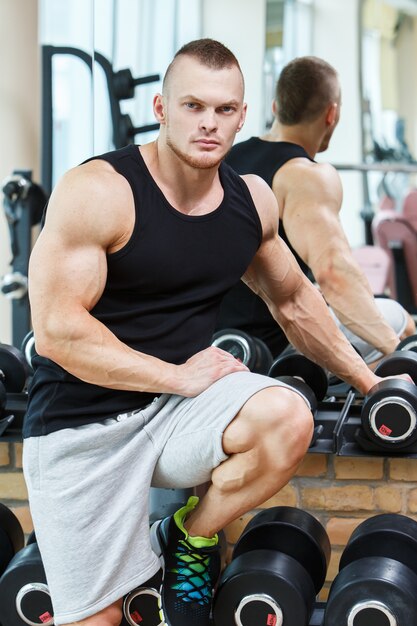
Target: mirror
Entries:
(389, 95)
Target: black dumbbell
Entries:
(292, 363)
(28, 348)
(13, 368)
(141, 606)
(408, 343)
(279, 564)
(252, 351)
(24, 593)
(377, 580)
(389, 410)
(12, 538)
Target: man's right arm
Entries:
(311, 221)
(90, 214)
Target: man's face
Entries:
(202, 109)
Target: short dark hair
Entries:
(306, 86)
(208, 52)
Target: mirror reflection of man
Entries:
(306, 112)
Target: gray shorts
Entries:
(394, 314)
(89, 488)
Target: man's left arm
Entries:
(295, 303)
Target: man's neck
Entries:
(301, 135)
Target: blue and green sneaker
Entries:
(191, 567)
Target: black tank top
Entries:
(162, 293)
(241, 308)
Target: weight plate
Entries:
(11, 529)
(28, 348)
(398, 362)
(389, 413)
(24, 594)
(289, 531)
(3, 399)
(13, 368)
(264, 587)
(302, 387)
(409, 343)
(296, 364)
(238, 343)
(264, 357)
(141, 606)
(372, 592)
(389, 535)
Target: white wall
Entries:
(336, 39)
(240, 25)
(19, 115)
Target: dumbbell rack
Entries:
(337, 427)
(11, 424)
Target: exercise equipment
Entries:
(13, 375)
(377, 575)
(252, 351)
(24, 594)
(279, 564)
(389, 411)
(141, 606)
(23, 202)
(11, 537)
(292, 363)
(408, 343)
(28, 348)
(13, 368)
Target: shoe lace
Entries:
(193, 583)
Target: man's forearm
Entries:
(310, 328)
(352, 301)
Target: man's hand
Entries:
(204, 368)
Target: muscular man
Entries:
(126, 279)
(306, 112)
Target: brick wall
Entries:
(340, 491)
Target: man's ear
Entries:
(331, 114)
(274, 108)
(242, 117)
(159, 108)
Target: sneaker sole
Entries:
(157, 549)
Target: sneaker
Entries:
(191, 567)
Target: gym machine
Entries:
(121, 85)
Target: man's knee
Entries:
(277, 422)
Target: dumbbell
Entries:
(28, 348)
(292, 363)
(24, 593)
(252, 351)
(377, 580)
(12, 538)
(141, 606)
(13, 372)
(408, 343)
(389, 410)
(278, 566)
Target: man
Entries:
(306, 112)
(126, 279)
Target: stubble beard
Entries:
(203, 162)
